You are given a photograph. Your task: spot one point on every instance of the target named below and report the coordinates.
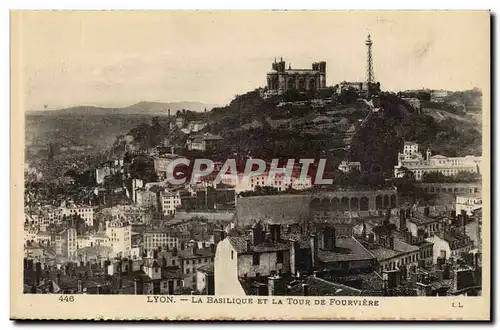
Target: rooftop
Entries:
(420, 219)
(346, 249)
(321, 287)
(239, 243)
(209, 269)
(400, 248)
(278, 208)
(200, 253)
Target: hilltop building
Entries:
(280, 79)
(347, 167)
(204, 142)
(411, 160)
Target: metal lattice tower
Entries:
(370, 77)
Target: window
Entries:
(280, 257)
(256, 259)
(173, 262)
(187, 270)
(232, 255)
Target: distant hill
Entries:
(141, 108)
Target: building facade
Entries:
(468, 203)
(120, 237)
(204, 142)
(281, 79)
(85, 212)
(411, 160)
(154, 239)
(169, 202)
(347, 167)
(66, 243)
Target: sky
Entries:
(116, 59)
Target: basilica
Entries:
(281, 79)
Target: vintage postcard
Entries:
(250, 165)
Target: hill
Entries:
(141, 108)
(378, 142)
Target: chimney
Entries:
(326, 242)
(426, 211)
(409, 237)
(249, 244)
(210, 284)
(371, 238)
(217, 236)
(38, 272)
(305, 289)
(275, 232)
(334, 238)
(390, 278)
(463, 279)
(80, 285)
(257, 233)
(446, 271)
(423, 289)
(440, 262)
(314, 250)
(387, 215)
(294, 247)
(477, 262)
(440, 274)
(391, 242)
(276, 286)
(138, 286)
(402, 220)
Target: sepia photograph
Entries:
(250, 165)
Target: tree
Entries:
(435, 177)
(465, 176)
(292, 95)
(348, 96)
(407, 174)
